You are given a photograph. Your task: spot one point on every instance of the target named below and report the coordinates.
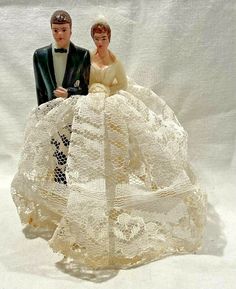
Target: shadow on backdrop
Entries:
(214, 240)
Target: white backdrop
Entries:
(185, 51)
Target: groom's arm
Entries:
(85, 73)
(39, 83)
(83, 77)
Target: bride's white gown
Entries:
(109, 176)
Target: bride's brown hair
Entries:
(101, 27)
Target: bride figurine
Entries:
(107, 173)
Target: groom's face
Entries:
(61, 34)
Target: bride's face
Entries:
(101, 40)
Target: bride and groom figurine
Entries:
(104, 165)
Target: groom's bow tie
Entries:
(60, 50)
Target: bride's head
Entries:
(101, 34)
(101, 27)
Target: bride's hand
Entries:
(99, 88)
(60, 92)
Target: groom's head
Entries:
(61, 17)
(61, 28)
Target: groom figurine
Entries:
(61, 69)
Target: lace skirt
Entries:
(109, 177)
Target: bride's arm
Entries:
(121, 79)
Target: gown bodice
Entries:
(112, 76)
(104, 75)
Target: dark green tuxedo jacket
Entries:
(77, 68)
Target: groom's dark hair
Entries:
(61, 17)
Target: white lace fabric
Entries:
(109, 176)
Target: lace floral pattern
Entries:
(110, 175)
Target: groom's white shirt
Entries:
(59, 64)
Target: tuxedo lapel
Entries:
(51, 67)
(70, 66)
